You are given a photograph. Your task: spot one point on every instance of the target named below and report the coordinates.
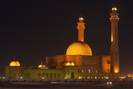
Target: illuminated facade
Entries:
(114, 42)
(78, 62)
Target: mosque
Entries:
(78, 62)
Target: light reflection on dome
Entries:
(14, 63)
(41, 65)
(79, 48)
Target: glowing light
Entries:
(123, 77)
(88, 77)
(70, 63)
(80, 77)
(116, 70)
(3, 77)
(81, 19)
(42, 77)
(111, 38)
(95, 77)
(106, 77)
(110, 83)
(114, 9)
(129, 75)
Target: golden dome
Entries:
(14, 63)
(114, 9)
(41, 65)
(79, 48)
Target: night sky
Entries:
(33, 29)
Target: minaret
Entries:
(81, 29)
(114, 54)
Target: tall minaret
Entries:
(81, 29)
(114, 42)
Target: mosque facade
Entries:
(78, 62)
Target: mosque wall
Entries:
(13, 71)
(42, 73)
(106, 64)
(70, 72)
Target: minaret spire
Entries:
(81, 29)
(114, 50)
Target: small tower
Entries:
(114, 50)
(81, 29)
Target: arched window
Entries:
(96, 71)
(47, 76)
(51, 75)
(85, 62)
(39, 75)
(82, 71)
(54, 75)
(43, 75)
(89, 71)
(58, 75)
(72, 74)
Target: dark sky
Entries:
(33, 29)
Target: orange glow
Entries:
(14, 63)
(128, 75)
(79, 48)
(70, 63)
(80, 77)
(106, 77)
(111, 38)
(116, 70)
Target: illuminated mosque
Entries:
(78, 62)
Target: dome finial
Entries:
(114, 9)
(81, 18)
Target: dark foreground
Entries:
(72, 87)
(8, 85)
